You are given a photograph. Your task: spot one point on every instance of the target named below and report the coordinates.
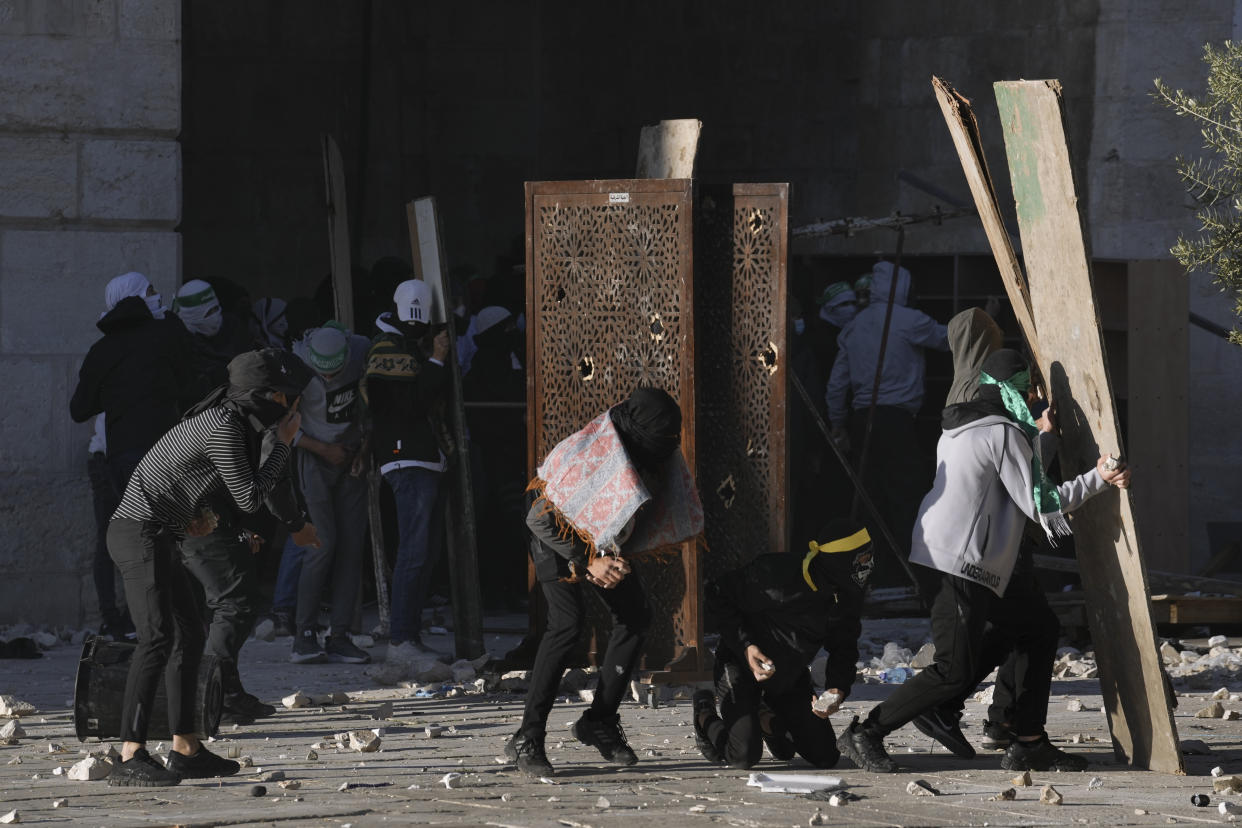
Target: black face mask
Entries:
(413, 330)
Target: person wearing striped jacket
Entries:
(213, 452)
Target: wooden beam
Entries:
(1054, 242)
(427, 247)
(668, 149)
(338, 232)
(960, 119)
(1192, 609)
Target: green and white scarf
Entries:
(1047, 499)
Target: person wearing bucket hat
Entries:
(989, 464)
(329, 462)
(208, 460)
(774, 615)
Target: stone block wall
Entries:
(90, 187)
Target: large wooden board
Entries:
(1058, 262)
(427, 250)
(965, 132)
(609, 307)
(338, 232)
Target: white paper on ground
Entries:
(792, 782)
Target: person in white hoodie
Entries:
(989, 481)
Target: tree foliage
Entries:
(1215, 181)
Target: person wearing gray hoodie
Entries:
(896, 472)
(989, 481)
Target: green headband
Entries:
(1047, 498)
(203, 297)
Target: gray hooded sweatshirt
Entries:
(970, 524)
(901, 381)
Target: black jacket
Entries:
(768, 603)
(138, 374)
(401, 388)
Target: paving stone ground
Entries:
(671, 785)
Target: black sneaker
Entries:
(704, 704)
(527, 753)
(1040, 755)
(775, 735)
(142, 771)
(282, 624)
(865, 749)
(996, 736)
(202, 765)
(234, 717)
(945, 727)
(341, 650)
(306, 649)
(246, 704)
(607, 736)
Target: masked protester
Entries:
(330, 463)
(402, 387)
(616, 489)
(774, 614)
(209, 457)
(990, 480)
(269, 324)
(135, 374)
(199, 310)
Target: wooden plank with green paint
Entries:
(1058, 266)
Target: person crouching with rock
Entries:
(215, 450)
(774, 614)
(616, 489)
(989, 481)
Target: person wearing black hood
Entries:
(774, 614)
(137, 374)
(616, 489)
(990, 480)
(212, 454)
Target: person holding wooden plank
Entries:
(401, 387)
(774, 614)
(617, 488)
(989, 480)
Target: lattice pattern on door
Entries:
(609, 308)
(741, 341)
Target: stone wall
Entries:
(90, 187)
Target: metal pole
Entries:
(860, 492)
(879, 370)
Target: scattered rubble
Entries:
(826, 700)
(1074, 706)
(1023, 780)
(817, 818)
(265, 630)
(11, 818)
(1215, 710)
(920, 788)
(60, 803)
(451, 780)
(296, 701)
(1007, 795)
(1049, 795)
(1229, 809)
(1218, 771)
(90, 769)
(363, 741)
(1095, 783)
(291, 784)
(12, 732)
(14, 707)
(924, 657)
(384, 711)
(1227, 784)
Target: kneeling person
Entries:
(774, 615)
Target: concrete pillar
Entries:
(90, 110)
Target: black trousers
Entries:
(104, 498)
(1023, 633)
(788, 694)
(223, 563)
(897, 475)
(170, 635)
(631, 616)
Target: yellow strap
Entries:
(848, 544)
